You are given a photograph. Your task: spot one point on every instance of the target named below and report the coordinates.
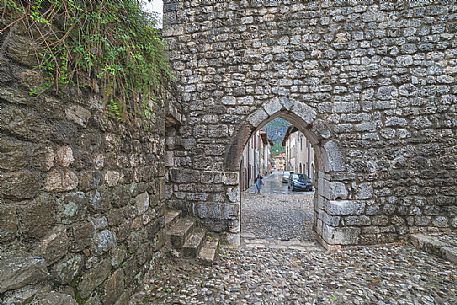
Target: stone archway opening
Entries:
(328, 161)
(282, 212)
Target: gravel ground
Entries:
(392, 274)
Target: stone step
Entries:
(171, 216)
(179, 231)
(433, 245)
(208, 252)
(194, 243)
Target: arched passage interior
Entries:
(328, 162)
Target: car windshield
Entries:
(301, 177)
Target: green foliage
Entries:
(277, 149)
(109, 46)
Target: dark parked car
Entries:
(299, 182)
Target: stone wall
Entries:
(81, 195)
(371, 83)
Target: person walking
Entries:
(258, 183)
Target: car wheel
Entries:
(293, 188)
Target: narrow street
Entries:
(277, 213)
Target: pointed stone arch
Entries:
(301, 116)
(329, 159)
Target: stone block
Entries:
(8, 223)
(257, 118)
(20, 185)
(373, 209)
(422, 220)
(341, 235)
(229, 100)
(440, 222)
(53, 298)
(64, 156)
(21, 49)
(124, 298)
(380, 220)
(215, 210)
(231, 178)
(54, 245)
(112, 178)
(233, 194)
(60, 180)
(272, 107)
(19, 269)
(37, 217)
(356, 221)
(305, 112)
(118, 256)
(142, 203)
(114, 287)
(23, 295)
(82, 234)
(67, 269)
(454, 222)
(13, 153)
(93, 278)
(72, 207)
(78, 115)
(333, 159)
(345, 207)
(184, 175)
(330, 220)
(99, 223)
(336, 190)
(364, 191)
(104, 241)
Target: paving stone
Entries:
(394, 274)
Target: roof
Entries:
(264, 137)
(290, 130)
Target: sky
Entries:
(154, 6)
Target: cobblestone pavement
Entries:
(277, 213)
(278, 263)
(394, 274)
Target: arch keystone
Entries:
(273, 107)
(258, 117)
(305, 112)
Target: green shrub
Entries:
(109, 46)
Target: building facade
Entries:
(256, 159)
(280, 162)
(299, 156)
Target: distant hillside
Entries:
(276, 130)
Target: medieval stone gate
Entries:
(372, 85)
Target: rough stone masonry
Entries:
(81, 195)
(371, 83)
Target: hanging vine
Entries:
(109, 46)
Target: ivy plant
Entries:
(112, 47)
